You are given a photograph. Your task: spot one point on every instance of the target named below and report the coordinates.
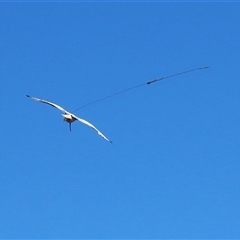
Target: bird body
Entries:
(69, 117)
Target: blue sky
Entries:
(173, 168)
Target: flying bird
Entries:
(69, 117)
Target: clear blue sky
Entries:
(173, 170)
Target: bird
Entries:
(69, 117)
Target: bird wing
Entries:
(90, 125)
(52, 104)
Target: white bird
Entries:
(69, 117)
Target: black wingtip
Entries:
(27, 95)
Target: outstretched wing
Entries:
(49, 103)
(90, 125)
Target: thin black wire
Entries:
(149, 82)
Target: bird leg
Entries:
(70, 127)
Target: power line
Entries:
(146, 83)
